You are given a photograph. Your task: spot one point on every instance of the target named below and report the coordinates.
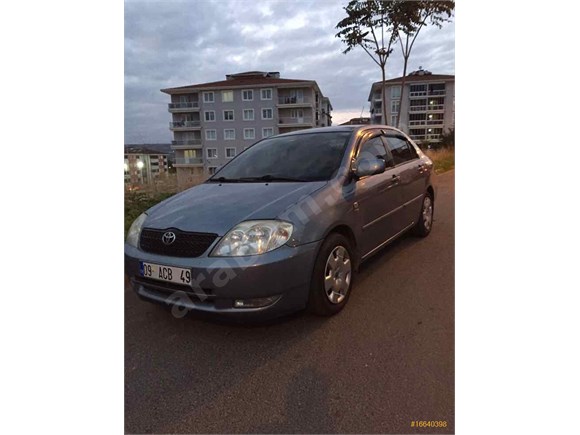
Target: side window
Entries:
(401, 150)
(373, 148)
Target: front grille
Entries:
(185, 245)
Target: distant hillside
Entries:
(161, 148)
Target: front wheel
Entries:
(425, 221)
(332, 276)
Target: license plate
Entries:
(165, 273)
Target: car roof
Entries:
(341, 128)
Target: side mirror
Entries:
(365, 166)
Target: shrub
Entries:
(136, 202)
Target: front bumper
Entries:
(219, 281)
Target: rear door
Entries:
(411, 173)
(378, 197)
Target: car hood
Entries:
(216, 208)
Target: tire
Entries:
(425, 219)
(331, 282)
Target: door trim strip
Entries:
(387, 241)
(390, 212)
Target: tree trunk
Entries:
(403, 80)
(383, 96)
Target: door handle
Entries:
(420, 167)
(395, 179)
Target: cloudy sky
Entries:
(177, 43)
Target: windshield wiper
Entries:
(269, 177)
(224, 180)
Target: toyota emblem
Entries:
(168, 238)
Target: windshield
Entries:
(300, 157)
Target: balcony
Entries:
(185, 144)
(294, 101)
(417, 108)
(188, 161)
(185, 125)
(287, 121)
(420, 122)
(430, 137)
(431, 93)
(183, 107)
(427, 108)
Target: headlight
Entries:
(253, 238)
(135, 230)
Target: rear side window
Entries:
(401, 150)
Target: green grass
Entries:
(443, 159)
(137, 202)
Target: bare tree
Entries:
(409, 17)
(369, 24)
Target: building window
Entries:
(267, 132)
(393, 119)
(208, 97)
(249, 133)
(211, 153)
(228, 115)
(229, 134)
(395, 106)
(209, 115)
(227, 96)
(267, 114)
(230, 153)
(212, 170)
(192, 154)
(297, 113)
(248, 95)
(266, 94)
(210, 135)
(395, 92)
(248, 114)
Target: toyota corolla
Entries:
(284, 225)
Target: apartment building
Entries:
(358, 121)
(426, 105)
(144, 165)
(213, 122)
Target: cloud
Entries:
(175, 43)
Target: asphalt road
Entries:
(387, 359)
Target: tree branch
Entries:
(371, 56)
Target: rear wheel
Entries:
(425, 221)
(332, 277)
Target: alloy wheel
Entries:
(427, 213)
(337, 275)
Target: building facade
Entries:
(213, 122)
(143, 165)
(357, 121)
(426, 105)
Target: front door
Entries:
(378, 199)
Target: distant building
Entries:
(145, 163)
(426, 105)
(357, 121)
(213, 122)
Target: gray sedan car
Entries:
(284, 225)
